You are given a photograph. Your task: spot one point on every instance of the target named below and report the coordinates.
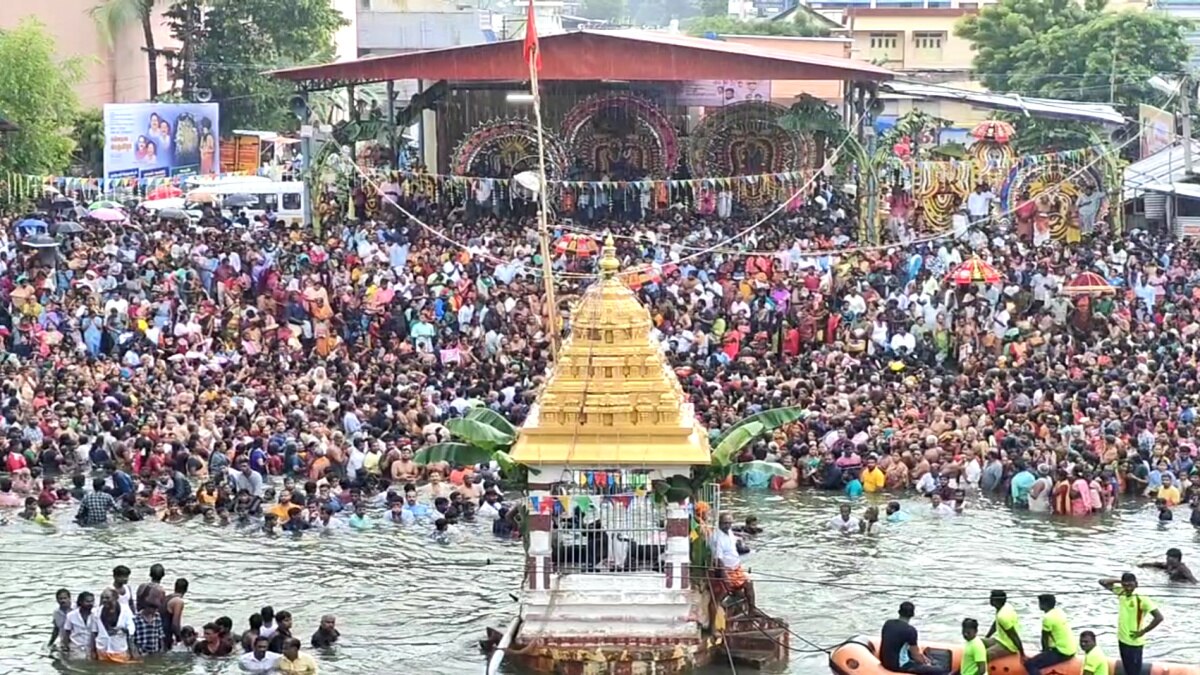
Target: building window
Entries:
(884, 42)
(929, 45)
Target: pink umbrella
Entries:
(108, 215)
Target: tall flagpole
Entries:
(534, 58)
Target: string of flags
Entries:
(30, 186)
(780, 178)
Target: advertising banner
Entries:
(710, 93)
(1157, 127)
(159, 140)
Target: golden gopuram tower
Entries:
(612, 401)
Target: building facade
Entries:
(117, 74)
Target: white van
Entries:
(285, 198)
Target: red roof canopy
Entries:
(595, 55)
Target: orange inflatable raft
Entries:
(857, 656)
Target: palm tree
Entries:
(113, 16)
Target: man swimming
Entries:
(1174, 567)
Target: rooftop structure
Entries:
(612, 400)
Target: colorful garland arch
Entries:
(504, 147)
(1055, 185)
(941, 187)
(606, 129)
(744, 139)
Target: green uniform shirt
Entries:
(1006, 617)
(973, 655)
(1062, 638)
(1134, 610)
(1095, 663)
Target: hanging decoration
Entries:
(502, 148)
(621, 135)
(1054, 182)
(745, 139)
(939, 188)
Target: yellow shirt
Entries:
(1171, 494)
(872, 479)
(303, 665)
(1062, 638)
(974, 653)
(1006, 617)
(1095, 663)
(1133, 613)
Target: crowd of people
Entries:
(134, 625)
(182, 369)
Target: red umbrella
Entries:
(1088, 283)
(973, 271)
(574, 243)
(164, 192)
(993, 131)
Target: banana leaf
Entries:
(478, 433)
(732, 443)
(772, 469)
(771, 419)
(453, 453)
(493, 419)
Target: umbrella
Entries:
(240, 200)
(972, 271)
(109, 215)
(104, 204)
(577, 244)
(67, 228)
(993, 131)
(33, 224)
(201, 197)
(51, 190)
(80, 212)
(40, 241)
(164, 192)
(1088, 283)
(62, 203)
(637, 278)
(167, 203)
(173, 214)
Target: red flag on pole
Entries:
(533, 55)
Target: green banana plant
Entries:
(481, 435)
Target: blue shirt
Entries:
(854, 489)
(898, 517)
(1022, 483)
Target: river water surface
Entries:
(406, 604)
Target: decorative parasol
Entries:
(1088, 283)
(109, 215)
(581, 245)
(973, 271)
(164, 192)
(993, 131)
(636, 278)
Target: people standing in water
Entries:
(1006, 628)
(1058, 642)
(1133, 609)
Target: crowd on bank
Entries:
(135, 625)
(188, 363)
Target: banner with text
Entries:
(1157, 127)
(160, 140)
(716, 93)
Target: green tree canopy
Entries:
(612, 11)
(1060, 49)
(240, 39)
(724, 25)
(37, 95)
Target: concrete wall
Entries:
(785, 92)
(117, 75)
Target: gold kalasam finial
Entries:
(608, 258)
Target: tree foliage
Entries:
(88, 132)
(725, 25)
(1062, 49)
(36, 94)
(240, 39)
